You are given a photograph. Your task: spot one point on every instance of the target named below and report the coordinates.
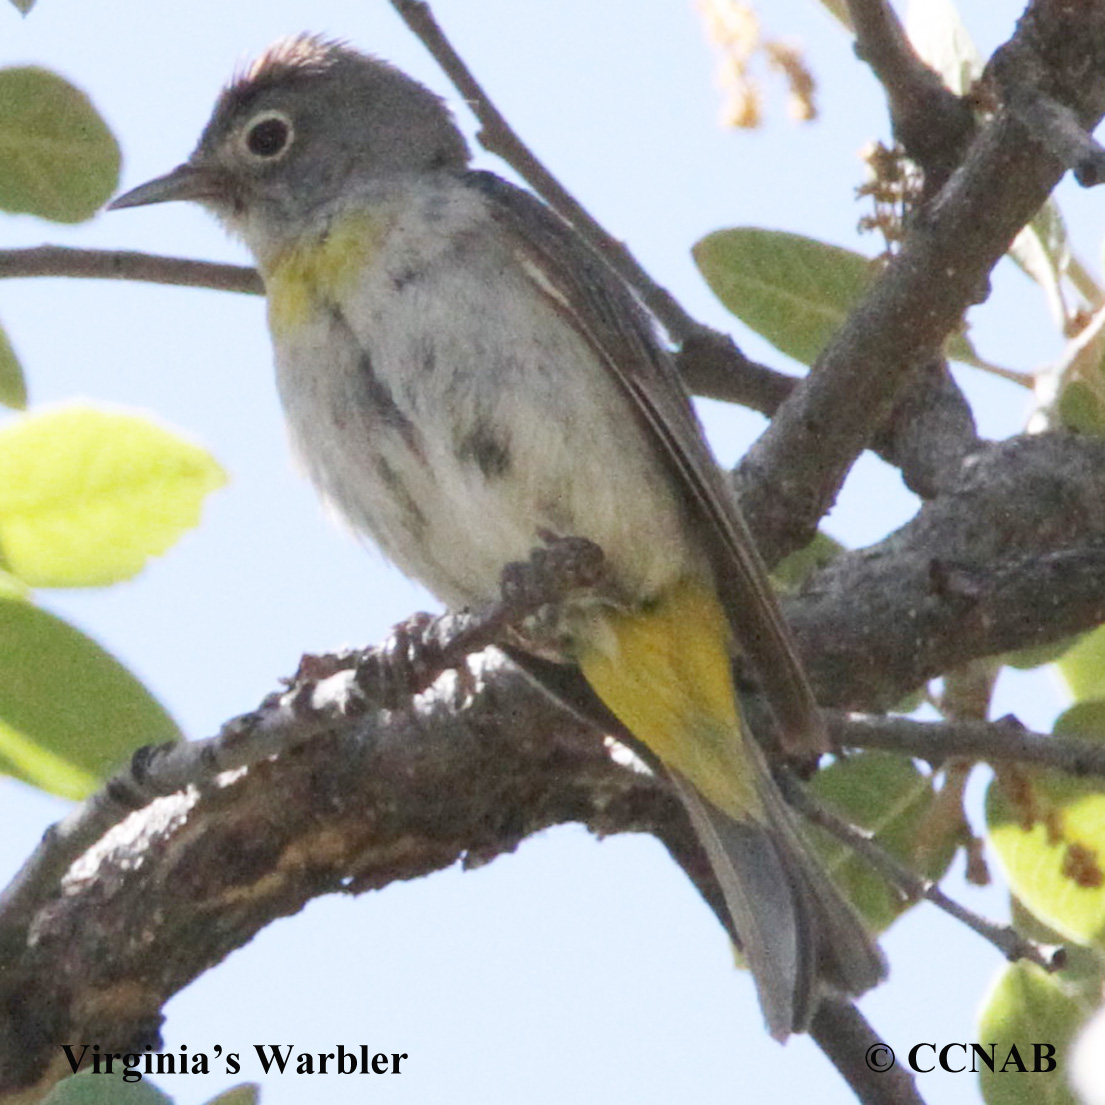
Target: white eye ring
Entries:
(268, 136)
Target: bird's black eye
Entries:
(269, 135)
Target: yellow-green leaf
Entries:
(12, 588)
(1081, 409)
(87, 495)
(13, 387)
(58, 160)
(69, 711)
(1035, 656)
(23, 6)
(792, 290)
(889, 796)
(791, 572)
(1082, 666)
(1051, 845)
(1027, 1014)
(1085, 720)
(959, 347)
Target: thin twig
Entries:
(1026, 380)
(710, 363)
(914, 888)
(1004, 741)
(932, 123)
(794, 471)
(1085, 283)
(497, 137)
(121, 264)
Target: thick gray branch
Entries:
(1016, 556)
(791, 475)
(1013, 556)
(1009, 552)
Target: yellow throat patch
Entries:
(320, 268)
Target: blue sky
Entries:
(575, 969)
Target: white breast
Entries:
(447, 410)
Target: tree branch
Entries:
(932, 124)
(1025, 73)
(352, 808)
(1011, 557)
(1005, 938)
(843, 1033)
(325, 692)
(1010, 552)
(1002, 741)
(930, 432)
(319, 791)
(498, 137)
(103, 264)
(710, 363)
(792, 474)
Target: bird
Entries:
(464, 377)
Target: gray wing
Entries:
(597, 303)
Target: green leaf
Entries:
(23, 6)
(13, 588)
(1082, 667)
(1051, 845)
(13, 387)
(248, 1093)
(87, 495)
(912, 701)
(69, 711)
(1085, 720)
(791, 572)
(793, 291)
(889, 796)
(58, 160)
(1029, 1010)
(1031, 927)
(1080, 409)
(959, 347)
(88, 1088)
(1035, 656)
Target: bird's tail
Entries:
(798, 934)
(665, 671)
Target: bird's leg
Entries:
(409, 660)
(556, 569)
(420, 648)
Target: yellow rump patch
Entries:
(320, 269)
(665, 672)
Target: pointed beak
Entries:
(185, 182)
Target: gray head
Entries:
(289, 133)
